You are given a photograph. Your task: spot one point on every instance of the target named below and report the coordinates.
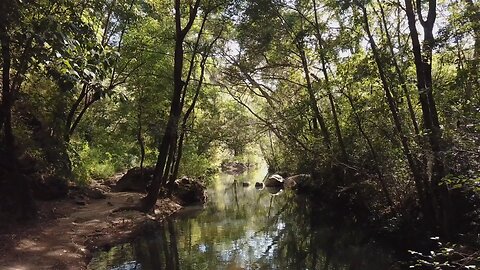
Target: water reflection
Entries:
(245, 228)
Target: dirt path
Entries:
(68, 231)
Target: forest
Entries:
(377, 100)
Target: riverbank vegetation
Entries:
(378, 100)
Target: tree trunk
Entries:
(417, 177)
(323, 59)
(437, 193)
(16, 192)
(473, 10)
(185, 119)
(313, 99)
(401, 77)
(378, 170)
(7, 101)
(140, 139)
(73, 109)
(176, 165)
(170, 136)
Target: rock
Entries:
(259, 185)
(189, 191)
(234, 167)
(274, 180)
(49, 188)
(94, 193)
(274, 190)
(283, 174)
(133, 180)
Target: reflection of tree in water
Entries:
(158, 250)
(304, 242)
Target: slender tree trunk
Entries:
(7, 101)
(140, 139)
(313, 100)
(401, 77)
(88, 104)
(168, 174)
(176, 165)
(169, 139)
(16, 195)
(73, 109)
(374, 154)
(185, 119)
(437, 192)
(417, 176)
(148, 202)
(473, 10)
(323, 59)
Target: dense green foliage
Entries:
(351, 95)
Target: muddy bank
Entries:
(68, 231)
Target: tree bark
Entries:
(15, 193)
(73, 109)
(437, 192)
(140, 139)
(185, 119)
(401, 77)
(374, 154)
(323, 59)
(312, 99)
(417, 177)
(473, 10)
(170, 136)
(190, 109)
(7, 101)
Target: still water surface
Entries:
(244, 228)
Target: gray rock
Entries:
(274, 180)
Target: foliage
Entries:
(446, 256)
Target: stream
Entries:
(244, 228)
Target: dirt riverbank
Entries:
(68, 231)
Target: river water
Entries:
(244, 228)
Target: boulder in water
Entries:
(189, 191)
(274, 190)
(274, 180)
(259, 185)
(234, 167)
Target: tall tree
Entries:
(417, 176)
(169, 139)
(437, 192)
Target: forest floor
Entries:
(68, 231)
